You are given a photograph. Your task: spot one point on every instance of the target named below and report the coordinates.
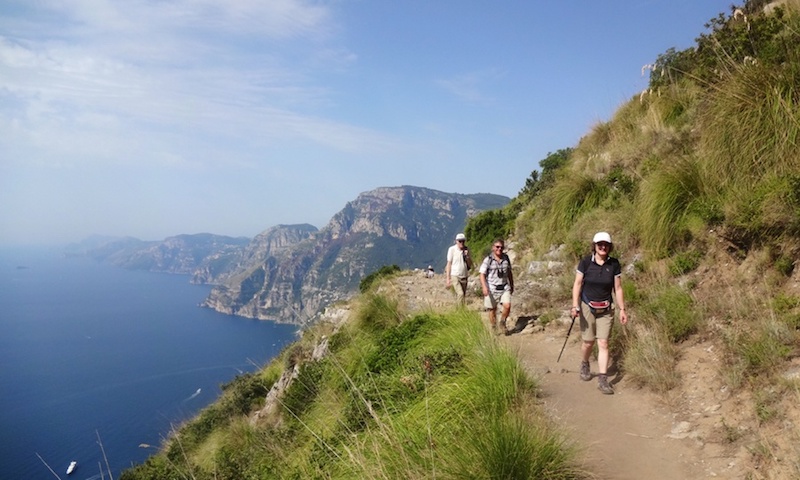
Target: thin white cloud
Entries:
(144, 81)
(471, 86)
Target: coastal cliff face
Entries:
(272, 244)
(290, 273)
(405, 226)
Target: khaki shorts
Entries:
(497, 296)
(594, 327)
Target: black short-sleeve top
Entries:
(598, 280)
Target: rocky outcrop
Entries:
(290, 273)
(273, 243)
(405, 226)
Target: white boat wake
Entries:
(194, 395)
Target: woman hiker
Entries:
(598, 276)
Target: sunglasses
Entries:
(498, 246)
(460, 241)
(603, 245)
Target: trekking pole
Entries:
(565, 340)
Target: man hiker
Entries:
(497, 282)
(459, 263)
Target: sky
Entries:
(153, 118)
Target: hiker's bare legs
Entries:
(602, 356)
(586, 349)
(492, 318)
(505, 314)
(602, 353)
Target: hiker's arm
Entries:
(576, 294)
(623, 315)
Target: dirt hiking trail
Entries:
(631, 435)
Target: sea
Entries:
(99, 363)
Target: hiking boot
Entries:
(586, 374)
(603, 385)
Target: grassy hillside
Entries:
(698, 181)
(393, 396)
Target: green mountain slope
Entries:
(698, 181)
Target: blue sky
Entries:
(153, 118)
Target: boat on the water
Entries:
(71, 467)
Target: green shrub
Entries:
(394, 342)
(622, 184)
(783, 303)
(765, 348)
(671, 309)
(785, 266)
(551, 164)
(482, 229)
(685, 262)
(369, 280)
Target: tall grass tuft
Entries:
(509, 448)
(664, 205)
(571, 196)
(650, 360)
(377, 313)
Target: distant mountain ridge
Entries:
(181, 254)
(290, 273)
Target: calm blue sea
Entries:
(88, 349)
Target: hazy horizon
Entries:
(156, 119)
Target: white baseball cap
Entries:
(601, 237)
(461, 236)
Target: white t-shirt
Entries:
(458, 266)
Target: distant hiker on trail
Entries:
(498, 285)
(598, 276)
(429, 272)
(459, 263)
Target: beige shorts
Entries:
(497, 296)
(595, 327)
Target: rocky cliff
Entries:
(289, 273)
(405, 226)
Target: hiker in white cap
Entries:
(598, 276)
(459, 263)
